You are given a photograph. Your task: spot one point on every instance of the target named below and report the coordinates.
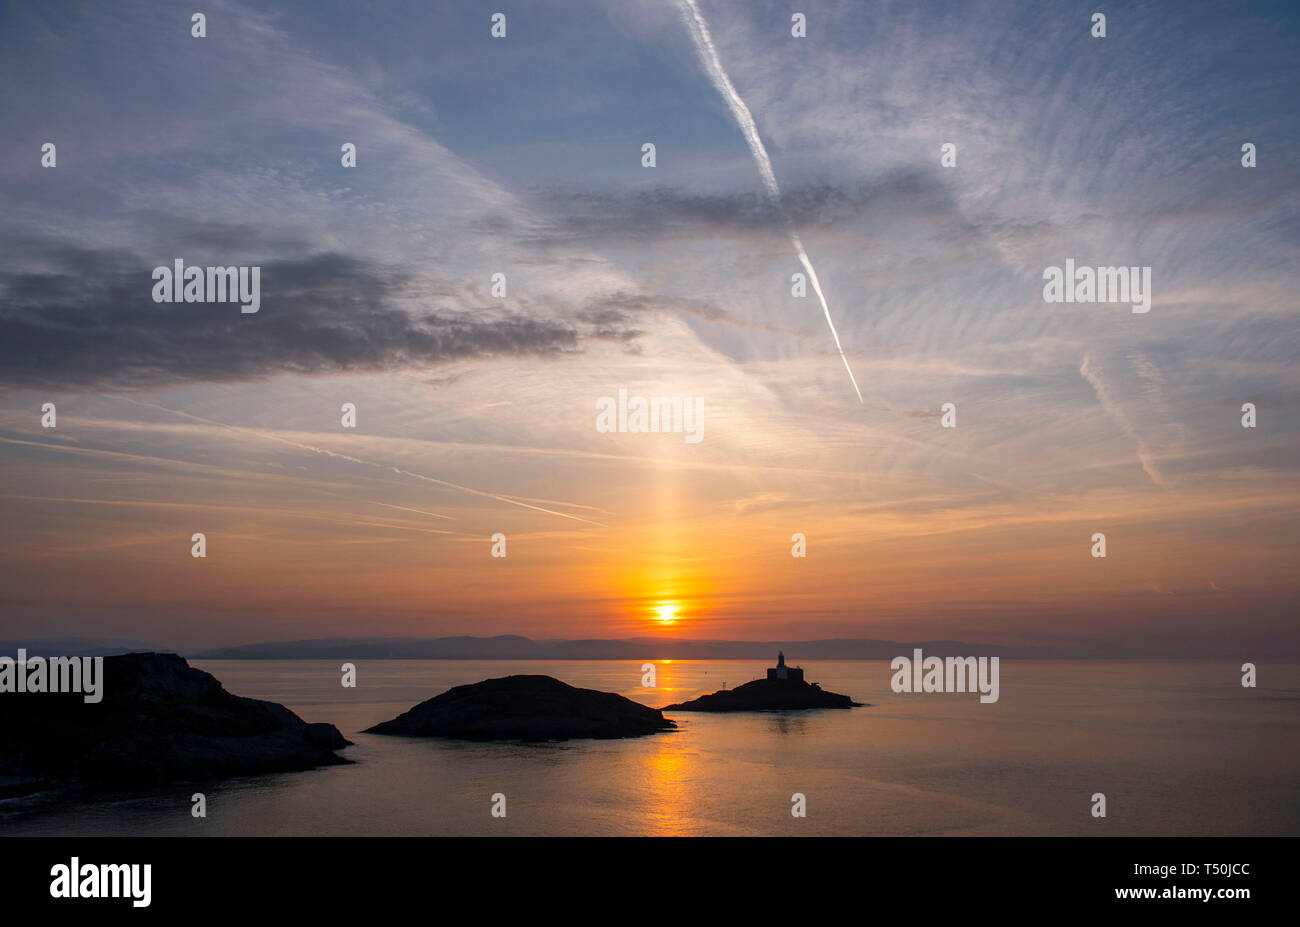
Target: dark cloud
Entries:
(611, 311)
(622, 306)
(658, 212)
(86, 318)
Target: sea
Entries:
(1176, 748)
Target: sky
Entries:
(476, 414)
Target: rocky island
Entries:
(160, 720)
(784, 688)
(533, 708)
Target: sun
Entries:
(666, 612)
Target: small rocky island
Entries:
(532, 708)
(160, 720)
(784, 688)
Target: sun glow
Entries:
(666, 612)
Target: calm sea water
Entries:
(1178, 749)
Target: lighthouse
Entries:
(781, 671)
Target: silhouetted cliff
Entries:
(160, 721)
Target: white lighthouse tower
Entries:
(781, 671)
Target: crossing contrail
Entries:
(709, 56)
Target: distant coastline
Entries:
(517, 647)
(514, 647)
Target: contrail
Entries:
(1117, 415)
(709, 55)
(357, 460)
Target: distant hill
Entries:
(515, 647)
(75, 647)
(504, 647)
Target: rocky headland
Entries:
(160, 720)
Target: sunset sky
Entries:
(477, 415)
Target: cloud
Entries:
(665, 212)
(87, 318)
(621, 308)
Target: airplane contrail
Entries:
(713, 64)
(1112, 409)
(358, 460)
